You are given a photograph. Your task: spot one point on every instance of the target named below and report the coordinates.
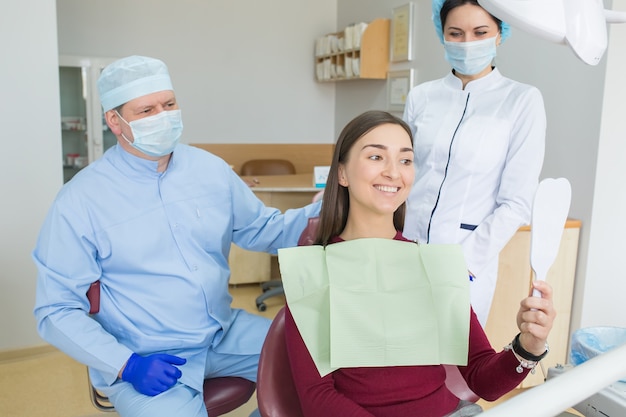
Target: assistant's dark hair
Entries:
(336, 201)
(448, 5)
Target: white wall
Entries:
(573, 94)
(229, 49)
(605, 287)
(30, 161)
(357, 96)
(243, 71)
(354, 97)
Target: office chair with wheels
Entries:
(275, 287)
(221, 395)
(253, 167)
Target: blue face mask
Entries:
(470, 58)
(156, 135)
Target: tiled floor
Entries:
(50, 384)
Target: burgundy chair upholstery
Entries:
(276, 394)
(308, 234)
(221, 395)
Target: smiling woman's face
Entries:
(379, 171)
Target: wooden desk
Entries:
(514, 277)
(280, 191)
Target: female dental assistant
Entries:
(479, 142)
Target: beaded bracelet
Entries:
(526, 359)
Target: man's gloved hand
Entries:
(153, 374)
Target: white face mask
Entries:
(156, 135)
(470, 58)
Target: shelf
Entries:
(351, 55)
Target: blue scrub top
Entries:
(159, 244)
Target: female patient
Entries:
(370, 178)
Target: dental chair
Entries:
(276, 392)
(273, 287)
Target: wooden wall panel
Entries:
(303, 156)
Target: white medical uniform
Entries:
(478, 156)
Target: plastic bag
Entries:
(590, 342)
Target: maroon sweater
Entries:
(397, 390)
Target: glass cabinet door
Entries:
(84, 134)
(74, 134)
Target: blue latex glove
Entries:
(151, 375)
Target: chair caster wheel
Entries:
(261, 307)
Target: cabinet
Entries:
(361, 51)
(73, 120)
(514, 277)
(84, 135)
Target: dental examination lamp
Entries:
(581, 24)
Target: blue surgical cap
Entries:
(131, 77)
(438, 4)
